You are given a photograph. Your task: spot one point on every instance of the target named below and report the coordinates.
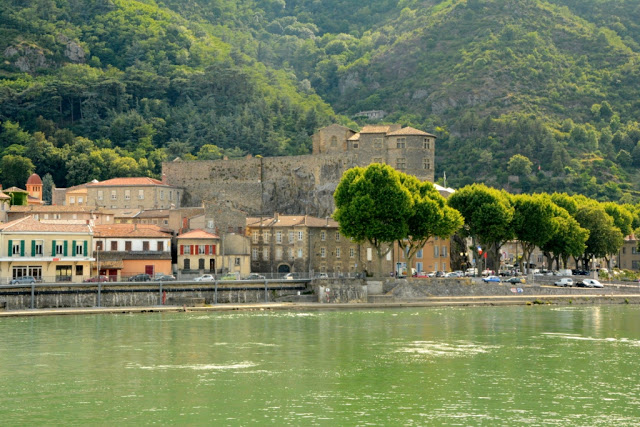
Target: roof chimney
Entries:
(276, 216)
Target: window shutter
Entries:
(33, 248)
(10, 252)
(73, 248)
(181, 249)
(193, 249)
(21, 247)
(64, 248)
(206, 249)
(53, 248)
(213, 249)
(86, 252)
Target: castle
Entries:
(303, 184)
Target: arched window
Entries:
(334, 141)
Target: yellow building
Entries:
(48, 251)
(201, 251)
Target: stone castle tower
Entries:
(408, 150)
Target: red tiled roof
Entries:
(134, 181)
(130, 230)
(409, 131)
(28, 223)
(15, 190)
(376, 129)
(57, 208)
(198, 234)
(292, 220)
(34, 179)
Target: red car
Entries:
(97, 279)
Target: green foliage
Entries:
(519, 165)
(15, 170)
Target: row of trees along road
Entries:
(380, 205)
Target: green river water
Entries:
(538, 365)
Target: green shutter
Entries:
(53, 248)
(65, 248)
(10, 253)
(21, 247)
(86, 253)
(33, 248)
(73, 248)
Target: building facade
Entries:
(629, 255)
(124, 250)
(63, 213)
(305, 244)
(141, 193)
(50, 252)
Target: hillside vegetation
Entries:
(113, 87)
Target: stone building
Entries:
(142, 193)
(306, 244)
(629, 255)
(302, 184)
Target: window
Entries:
(337, 252)
(419, 254)
(265, 254)
(291, 237)
(300, 236)
(352, 252)
(72, 200)
(323, 236)
(100, 194)
(425, 144)
(634, 250)
(436, 251)
(114, 245)
(255, 237)
(254, 254)
(38, 247)
(299, 253)
(236, 261)
(278, 253)
(113, 195)
(140, 194)
(278, 236)
(127, 194)
(99, 245)
(210, 224)
(79, 270)
(59, 248)
(426, 163)
(323, 252)
(334, 141)
(46, 216)
(63, 273)
(15, 248)
(401, 142)
(187, 264)
(355, 145)
(161, 194)
(377, 143)
(377, 160)
(337, 236)
(369, 254)
(79, 248)
(401, 163)
(444, 251)
(266, 237)
(127, 245)
(145, 245)
(160, 246)
(80, 200)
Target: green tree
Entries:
(488, 216)
(533, 223)
(430, 216)
(47, 188)
(519, 165)
(568, 239)
(604, 237)
(373, 206)
(15, 170)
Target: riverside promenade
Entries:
(593, 298)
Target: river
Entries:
(536, 365)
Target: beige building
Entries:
(629, 255)
(305, 244)
(50, 252)
(96, 216)
(202, 251)
(124, 250)
(141, 193)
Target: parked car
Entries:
(96, 279)
(205, 278)
(290, 276)
(452, 274)
(516, 280)
(564, 282)
(140, 278)
(23, 280)
(491, 279)
(322, 276)
(254, 276)
(580, 272)
(164, 277)
(590, 283)
(421, 274)
(229, 276)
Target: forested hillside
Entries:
(113, 87)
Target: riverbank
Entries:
(458, 301)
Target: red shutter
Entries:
(181, 249)
(213, 249)
(193, 250)
(206, 249)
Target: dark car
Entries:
(97, 279)
(254, 276)
(516, 280)
(164, 277)
(140, 278)
(23, 279)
